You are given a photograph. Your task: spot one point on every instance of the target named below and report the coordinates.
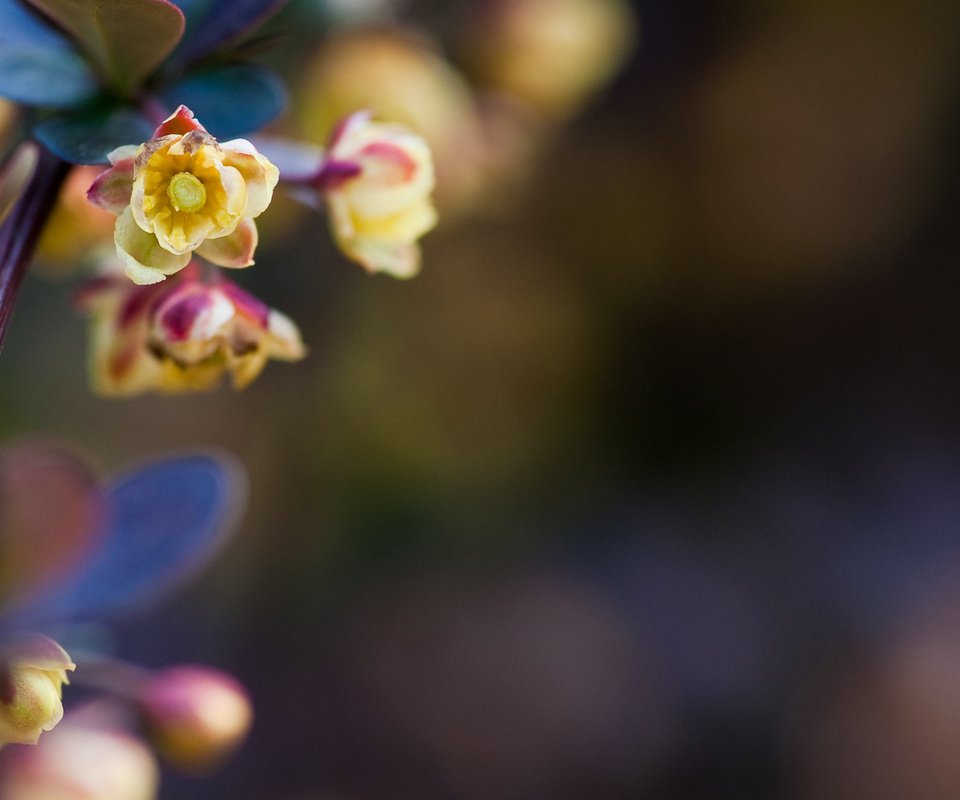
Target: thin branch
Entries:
(21, 229)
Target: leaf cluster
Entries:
(97, 74)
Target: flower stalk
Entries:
(22, 227)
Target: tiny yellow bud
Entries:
(186, 193)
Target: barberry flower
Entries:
(181, 193)
(32, 673)
(86, 758)
(377, 181)
(195, 716)
(181, 336)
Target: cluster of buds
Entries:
(181, 335)
(191, 717)
(168, 325)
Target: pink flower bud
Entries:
(195, 716)
(81, 761)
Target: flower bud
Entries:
(552, 54)
(180, 336)
(195, 716)
(34, 671)
(79, 761)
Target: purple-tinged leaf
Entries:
(15, 174)
(226, 22)
(232, 100)
(87, 137)
(51, 513)
(125, 39)
(164, 522)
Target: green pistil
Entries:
(186, 193)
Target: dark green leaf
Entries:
(125, 39)
(232, 100)
(87, 137)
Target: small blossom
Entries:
(82, 760)
(34, 670)
(195, 716)
(184, 192)
(377, 182)
(181, 336)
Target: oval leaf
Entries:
(87, 137)
(20, 25)
(38, 77)
(164, 522)
(125, 39)
(51, 510)
(232, 100)
(37, 65)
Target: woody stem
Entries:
(21, 229)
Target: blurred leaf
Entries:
(164, 522)
(126, 39)
(51, 511)
(20, 25)
(86, 137)
(232, 100)
(226, 21)
(37, 65)
(38, 77)
(194, 11)
(15, 175)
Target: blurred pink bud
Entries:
(195, 716)
(81, 761)
(34, 670)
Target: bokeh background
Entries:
(649, 485)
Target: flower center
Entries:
(186, 192)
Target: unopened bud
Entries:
(195, 716)
(32, 673)
(79, 761)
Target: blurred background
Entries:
(649, 485)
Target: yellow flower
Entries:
(377, 182)
(181, 336)
(34, 671)
(184, 192)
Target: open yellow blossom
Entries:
(377, 183)
(184, 192)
